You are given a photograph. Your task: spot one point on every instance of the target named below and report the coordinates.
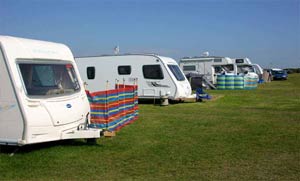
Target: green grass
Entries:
(240, 135)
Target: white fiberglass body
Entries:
(156, 76)
(41, 95)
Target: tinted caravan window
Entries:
(218, 69)
(239, 61)
(90, 71)
(245, 68)
(217, 60)
(176, 72)
(152, 72)
(228, 68)
(189, 67)
(124, 70)
(49, 79)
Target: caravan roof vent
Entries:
(205, 54)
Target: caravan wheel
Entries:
(91, 141)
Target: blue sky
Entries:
(266, 31)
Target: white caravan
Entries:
(258, 70)
(245, 66)
(42, 97)
(156, 76)
(209, 66)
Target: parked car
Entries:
(279, 74)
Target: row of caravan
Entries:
(43, 88)
(212, 66)
(42, 94)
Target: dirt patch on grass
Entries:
(216, 97)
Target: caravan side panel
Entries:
(11, 121)
(106, 69)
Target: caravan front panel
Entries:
(183, 87)
(53, 97)
(55, 81)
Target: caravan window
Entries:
(189, 68)
(49, 79)
(220, 69)
(228, 68)
(176, 72)
(217, 60)
(239, 60)
(90, 72)
(245, 68)
(124, 70)
(152, 72)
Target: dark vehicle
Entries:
(279, 74)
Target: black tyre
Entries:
(91, 141)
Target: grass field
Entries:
(239, 135)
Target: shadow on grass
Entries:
(157, 102)
(8, 149)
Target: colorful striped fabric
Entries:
(239, 82)
(250, 83)
(221, 82)
(229, 82)
(113, 109)
(236, 82)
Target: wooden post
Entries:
(106, 106)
